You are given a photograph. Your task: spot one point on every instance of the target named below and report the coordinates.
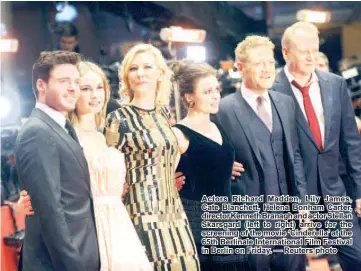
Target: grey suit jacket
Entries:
(341, 137)
(61, 235)
(233, 118)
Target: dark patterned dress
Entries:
(153, 202)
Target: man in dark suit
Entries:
(325, 125)
(262, 127)
(61, 235)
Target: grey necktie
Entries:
(262, 113)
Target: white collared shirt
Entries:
(58, 117)
(316, 100)
(251, 98)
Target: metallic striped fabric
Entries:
(153, 202)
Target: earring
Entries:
(191, 104)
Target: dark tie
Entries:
(310, 113)
(71, 131)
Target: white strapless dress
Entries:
(119, 245)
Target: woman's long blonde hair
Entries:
(84, 68)
(164, 85)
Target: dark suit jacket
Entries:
(61, 235)
(341, 136)
(232, 116)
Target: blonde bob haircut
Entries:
(249, 43)
(291, 30)
(164, 84)
(84, 68)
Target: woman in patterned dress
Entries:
(141, 131)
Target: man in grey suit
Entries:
(325, 125)
(262, 128)
(61, 235)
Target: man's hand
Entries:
(358, 208)
(179, 180)
(24, 204)
(125, 191)
(236, 170)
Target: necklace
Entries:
(143, 109)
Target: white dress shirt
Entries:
(316, 100)
(251, 98)
(58, 117)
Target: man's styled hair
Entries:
(249, 43)
(47, 61)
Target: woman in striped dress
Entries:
(141, 131)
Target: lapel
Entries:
(283, 114)
(327, 101)
(282, 85)
(245, 120)
(72, 144)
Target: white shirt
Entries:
(316, 100)
(58, 117)
(251, 98)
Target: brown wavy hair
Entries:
(186, 75)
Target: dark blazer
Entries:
(61, 235)
(232, 116)
(341, 137)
